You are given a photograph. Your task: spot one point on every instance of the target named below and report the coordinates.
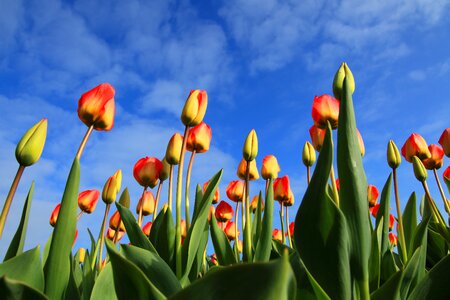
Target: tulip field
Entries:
(347, 240)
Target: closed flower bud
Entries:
(309, 154)
(146, 171)
(444, 140)
(116, 223)
(374, 210)
(250, 149)
(362, 149)
(165, 171)
(199, 138)
(239, 246)
(393, 239)
(338, 82)
(224, 212)
(112, 187)
(253, 170)
(290, 199)
(291, 228)
(96, 107)
(81, 255)
(146, 229)
(235, 190)
(195, 108)
(124, 199)
(317, 137)
(216, 197)
(147, 202)
(213, 259)
(270, 167)
(54, 215)
(393, 155)
(325, 108)
(173, 151)
(446, 176)
(254, 204)
(415, 145)
(419, 169)
(31, 145)
(437, 157)
(281, 189)
(391, 222)
(372, 195)
(87, 200)
(183, 228)
(111, 233)
(230, 231)
(277, 235)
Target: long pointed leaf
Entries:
(264, 245)
(222, 247)
(410, 221)
(383, 214)
(14, 290)
(104, 285)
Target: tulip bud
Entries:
(146, 171)
(165, 171)
(338, 82)
(87, 200)
(374, 210)
(393, 155)
(291, 228)
(317, 137)
(281, 189)
(239, 245)
(415, 145)
(338, 184)
(254, 204)
(213, 259)
(224, 212)
(253, 170)
(81, 255)
(309, 154)
(393, 239)
(199, 138)
(372, 195)
(96, 107)
(270, 167)
(444, 140)
(277, 235)
(250, 146)
(436, 159)
(124, 199)
(362, 149)
(112, 187)
(111, 233)
(116, 223)
(183, 228)
(446, 175)
(325, 108)
(391, 222)
(216, 197)
(31, 145)
(212, 211)
(173, 151)
(419, 169)
(235, 190)
(290, 200)
(230, 231)
(147, 202)
(195, 108)
(146, 229)
(54, 215)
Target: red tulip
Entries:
(317, 137)
(96, 107)
(393, 239)
(374, 210)
(214, 259)
(325, 108)
(277, 235)
(446, 175)
(235, 190)
(415, 145)
(54, 215)
(372, 195)
(146, 171)
(436, 159)
(444, 140)
(391, 221)
(282, 189)
(270, 167)
(230, 230)
(338, 184)
(291, 229)
(146, 229)
(147, 202)
(199, 138)
(87, 200)
(216, 194)
(224, 212)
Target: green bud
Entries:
(338, 82)
(125, 198)
(393, 155)
(250, 149)
(308, 155)
(30, 147)
(165, 171)
(419, 169)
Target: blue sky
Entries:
(261, 62)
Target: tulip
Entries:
(235, 190)
(309, 154)
(112, 187)
(372, 195)
(277, 235)
(374, 210)
(146, 203)
(165, 171)
(338, 82)
(230, 230)
(362, 149)
(54, 215)
(444, 140)
(325, 108)
(31, 145)
(195, 108)
(338, 184)
(183, 228)
(96, 107)
(199, 138)
(81, 255)
(270, 167)
(250, 149)
(254, 204)
(436, 159)
(87, 200)
(446, 176)
(146, 229)
(173, 151)
(317, 137)
(393, 239)
(213, 259)
(415, 145)
(393, 155)
(146, 171)
(212, 211)
(281, 189)
(291, 228)
(253, 170)
(224, 212)
(290, 200)
(111, 233)
(391, 222)
(115, 222)
(419, 169)
(216, 197)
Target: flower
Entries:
(338, 184)
(277, 235)
(96, 107)
(116, 223)
(444, 140)
(415, 145)
(309, 154)
(165, 171)
(195, 108)
(173, 151)
(212, 211)
(230, 230)
(147, 202)
(112, 187)
(436, 159)
(250, 149)
(183, 228)
(372, 195)
(146, 171)
(393, 155)
(374, 210)
(146, 229)
(270, 167)
(253, 170)
(446, 175)
(199, 138)
(362, 149)
(87, 200)
(325, 108)
(282, 189)
(31, 145)
(291, 228)
(419, 169)
(235, 190)
(393, 239)
(317, 137)
(254, 204)
(54, 215)
(81, 255)
(213, 259)
(111, 233)
(224, 212)
(391, 222)
(338, 82)
(216, 194)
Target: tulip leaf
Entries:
(72, 291)
(16, 245)
(88, 279)
(410, 221)
(104, 284)
(165, 239)
(57, 267)
(375, 258)
(257, 221)
(200, 258)
(222, 247)
(12, 290)
(156, 225)
(321, 232)
(272, 280)
(384, 215)
(264, 246)
(411, 273)
(198, 199)
(388, 266)
(390, 289)
(437, 247)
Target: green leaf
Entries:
(165, 239)
(15, 290)
(104, 284)
(199, 260)
(16, 245)
(320, 232)
(388, 266)
(264, 246)
(410, 220)
(26, 268)
(412, 272)
(88, 278)
(156, 225)
(222, 247)
(375, 258)
(437, 247)
(72, 291)
(57, 267)
(390, 289)
(383, 214)
(257, 221)
(198, 200)
(353, 192)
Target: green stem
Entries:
(401, 232)
(102, 237)
(158, 194)
(247, 229)
(79, 215)
(283, 239)
(236, 237)
(434, 209)
(170, 187)
(363, 287)
(333, 183)
(84, 141)
(446, 204)
(188, 185)
(287, 226)
(308, 174)
(9, 198)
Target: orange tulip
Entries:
(436, 159)
(277, 235)
(254, 204)
(146, 229)
(195, 108)
(415, 145)
(391, 221)
(111, 233)
(199, 138)
(393, 239)
(96, 107)
(325, 108)
(372, 195)
(112, 187)
(212, 211)
(446, 175)
(224, 212)
(183, 228)
(270, 167)
(444, 140)
(146, 171)
(290, 200)
(235, 190)
(374, 210)
(54, 215)
(87, 200)
(281, 189)
(147, 202)
(216, 194)
(114, 222)
(230, 230)
(253, 170)
(317, 137)
(173, 151)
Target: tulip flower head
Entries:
(230, 230)
(111, 233)
(393, 239)
(224, 212)
(317, 136)
(277, 235)
(173, 151)
(419, 169)
(309, 154)
(87, 200)
(213, 259)
(195, 108)
(415, 145)
(235, 190)
(338, 82)
(147, 203)
(325, 108)
(31, 145)
(437, 157)
(282, 189)
(391, 222)
(165, 171)
(254, 204)
(216, 197)
(446, 175)
(444, 140)
(54, 215)
(372, 195)
(146, 229)
(81, 255)
(112, 187)
(212, 211)
(393, 155)
(270, 167)
(250, 149)
(291, 228)
(199, 138)
(96, 107)
(146, 171)
(183, 228)
(116, 223)
(253, 170)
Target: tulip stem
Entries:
(140, 207)
(116, 233)
(446, 204)
(79, 215)
(308, 174)
(435, 211)
(188, 185)
(158, 194)
(102, 237)
(236, 237)
(335, 189)
(84, 141)
(9, 198)
(288, 227)
(170, 187)
(178, 261)
(248, 227)
(400, 230)
(283, 239)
